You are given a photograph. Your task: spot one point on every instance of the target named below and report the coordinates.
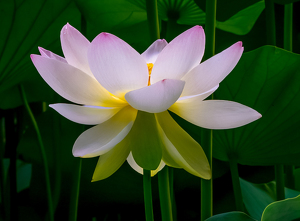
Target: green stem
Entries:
(288, 27)
(163, 175)
(75, 194)
(43, 153)
(270, 22)
(57, 158)
(289, 176)
(152, 17)
(236, 185)
(279, 178)
(207, 185)
(164, 194)
(12, 128)
(207, 135)
(288, 45)
(210, 28)
(173, 202)
(76, 182)
(163, 33)
(2, 147)
(148, 195)
(271, 40)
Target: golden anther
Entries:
(150, 66)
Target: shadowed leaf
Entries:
(267, 80)
(283, 210)
(257, 197)
(25, 25)
(231, 216)
(243, 21)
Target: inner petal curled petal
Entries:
(157, 97)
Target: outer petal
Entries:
(184, 150)
(167, 155)
(139, 169)
(215, 114)
(73, 84)
(103, 137)
(116, 65)
(157, 97)
(111, 161)
(89, 115)
(49, 54)
(178, 160)
(153, 51)
(212, 71)
(75, 47)
(180, 55)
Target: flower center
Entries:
(150, 66)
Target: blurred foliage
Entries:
(24, 171)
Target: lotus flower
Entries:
(127, 96)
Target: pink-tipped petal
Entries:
(153, 51)
(116, 65)
(157, 97)
(212, 71)
(73, 84)
(89, 115)
(49, 54)
(215, 114)
(102, 138)
(75, 47)
(180, 56)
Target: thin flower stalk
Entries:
(207, 185)
(43, 153)
(288, 45)
(148, 195)
(271, 40)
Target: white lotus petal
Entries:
(184, 150)
(139, 169)
(73, 84)
(212, 71)
(180, 56)
(198, 96)
(100, 139)
(157, 97)
(88, 115)
(153, 51)
(75, 47)
(116, 65)
(49, 54)
(215, 114)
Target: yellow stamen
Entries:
(150, 66)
